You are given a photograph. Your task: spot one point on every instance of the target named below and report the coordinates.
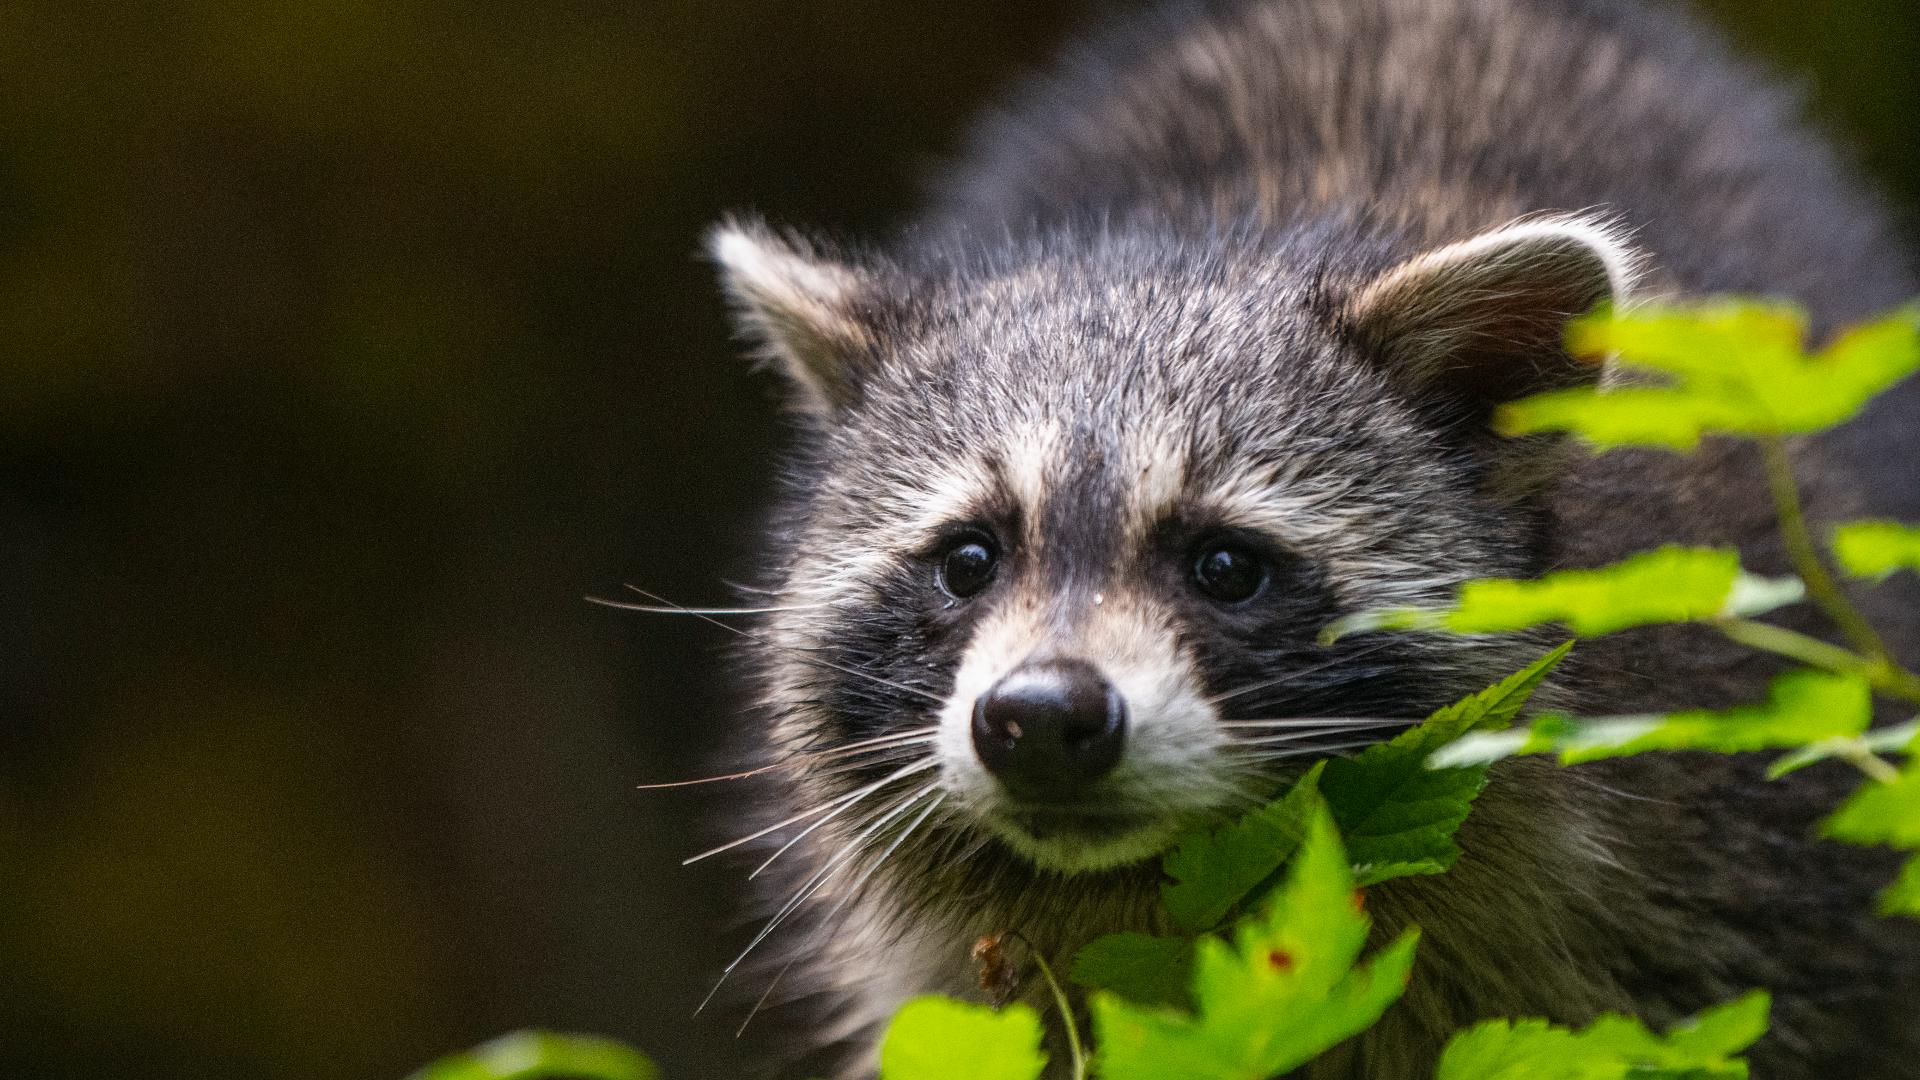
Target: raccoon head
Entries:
(1069, 512)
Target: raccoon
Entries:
(1194, 350)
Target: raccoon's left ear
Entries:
(802, 309)
(1483, 321)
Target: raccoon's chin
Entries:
(1070, 841)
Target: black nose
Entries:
(1050, 728)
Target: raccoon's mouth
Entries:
(1084, 823)
(1081, 838)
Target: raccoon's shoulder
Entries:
(1433, 121)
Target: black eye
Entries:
(1229, 574)
(967, 567)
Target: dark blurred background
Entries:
(346, 347)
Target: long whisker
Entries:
(762, 770)
(811, 886)
(805, 814)
(865, 756)
(913, 734)
(1276, 755)
(653, 610)
(852, 891)
(885, 742)
(871, 758)
(1328, 722)
(1307, 744)
(765, 643)
(1304, 734)
(1302, 673)
(844, 807)
(761, 1002)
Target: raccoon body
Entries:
(1194, 351)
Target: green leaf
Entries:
(1286, 990)
(936, 1038)
(531, 1055)
(1612, 1048)
(1886, 812)
(1903, 896)
(1874, 549)
(1397, 815)
(1881, 812)
(1667, 584)
(1802, 707)
(1213, 870)
(1731, 367)
(1143, 969)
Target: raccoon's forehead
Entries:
(1103, 461)
(1092, 351)
(1076, 401)
(1083, 325)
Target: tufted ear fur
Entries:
(1484, 321)
(800, 308)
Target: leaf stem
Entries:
(1794, 645)
(1896, 680)
(1074, 1049)
(1884, 676)
(1868, 762)
(1864, 752)
(1806, 556)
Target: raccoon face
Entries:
(1069, 515)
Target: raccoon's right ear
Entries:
(1483, 321)
(800, 308)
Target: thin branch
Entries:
(1794, 645)
(1806, 555)
(1868, 762)
(1074, 1049)
(1884, 676)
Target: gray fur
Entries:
(1150, 299)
